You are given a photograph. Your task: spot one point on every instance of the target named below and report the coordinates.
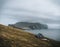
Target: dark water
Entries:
(50, 33)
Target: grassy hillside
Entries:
(12, 37)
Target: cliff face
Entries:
(26, 25)
(12, 37)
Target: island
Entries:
(29, 26)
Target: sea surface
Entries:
(49, 33)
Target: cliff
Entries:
(27, 25)
(12, 37)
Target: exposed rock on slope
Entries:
(12, 37)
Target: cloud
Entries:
(52, 26)
(57, 2)
(44, 11)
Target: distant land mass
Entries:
(29, 26)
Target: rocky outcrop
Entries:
(12, 37)
(27, 25)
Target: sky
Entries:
(42, 11)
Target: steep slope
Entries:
(12, 37)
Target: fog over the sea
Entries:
(43, 11)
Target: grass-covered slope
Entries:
(12, 37)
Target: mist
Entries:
(42, 11)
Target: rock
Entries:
(39, 35)
(29, 26)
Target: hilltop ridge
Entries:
(12, 37)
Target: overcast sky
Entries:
(43, 11)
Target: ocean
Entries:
(49, 33)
